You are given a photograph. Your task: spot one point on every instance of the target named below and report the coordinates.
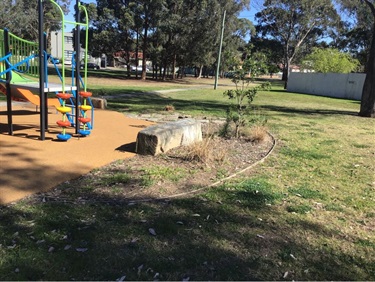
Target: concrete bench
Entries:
(160, 138)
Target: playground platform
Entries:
(29, 165)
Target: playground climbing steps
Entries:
(19, 58)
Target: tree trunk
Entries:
(286, 72)
(144, 50)
(136, 55)
(200, 72)
(368, 92)
(174, 67)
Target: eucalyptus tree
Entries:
(364, 13)
(292, 22)
(201, 29)
(271, 48)
(111, 29)
(167, 37)
(104, 29)
(202, 26)
(235, 43)
(357, 32)
(16, 19)
(21, 17)
(148, 14)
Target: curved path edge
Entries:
(196, 191)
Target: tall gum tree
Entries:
(292, 22)
(368, 93)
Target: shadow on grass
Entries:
(121, 74)
(230, 233)
(145, 102)
(306, 111)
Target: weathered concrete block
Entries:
(160, 138)
(99, 103)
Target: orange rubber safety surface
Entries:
(29, 165)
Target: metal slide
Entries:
(20, 94)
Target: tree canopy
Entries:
(293, 22)
(170, 33)
(327, 60)
(21, 17)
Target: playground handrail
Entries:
(19, 57)
(63, 47)
(86, 25)
(26, 47)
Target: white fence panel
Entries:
(337, 85)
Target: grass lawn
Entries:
(307, 213)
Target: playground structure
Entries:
(22, 62)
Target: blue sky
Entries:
(256, 6)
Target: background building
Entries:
(57, 41)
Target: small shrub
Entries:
(265, 86)
(239, 112)
(169, 108)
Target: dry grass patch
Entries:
(256, 134)
(205, 152)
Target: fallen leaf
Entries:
(260, 236)
(122, 278)
(134, 240)
(67, 247)
(152, 231)
(51, 249)
(186, 279)
(196, 215)
(285, 274)
(293, 257)
(81, 250)
(180, 222)
(140, 269)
